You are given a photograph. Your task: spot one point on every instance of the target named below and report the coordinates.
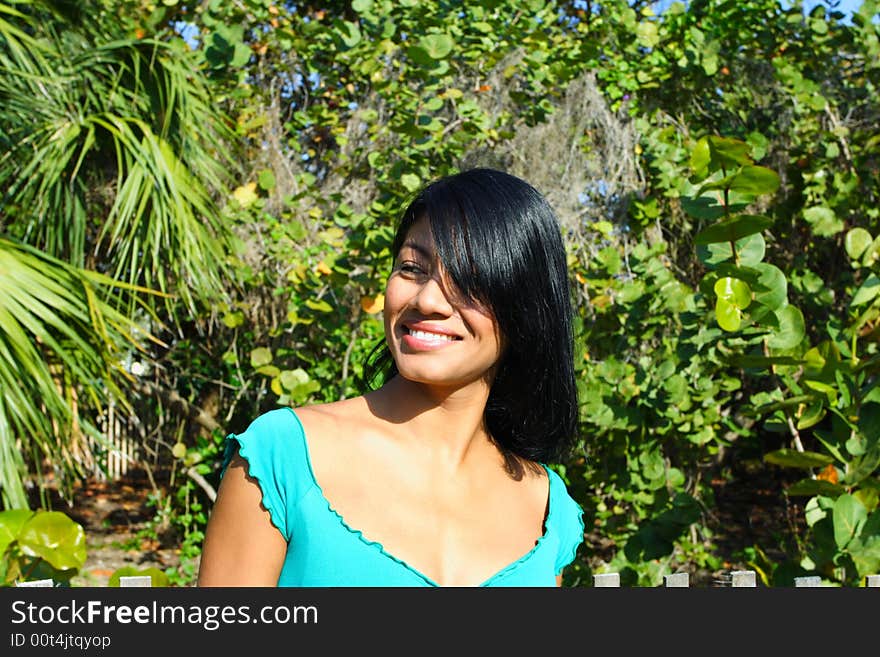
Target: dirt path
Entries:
(117, 519)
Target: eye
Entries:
(410, 268)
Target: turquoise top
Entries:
(322, 550)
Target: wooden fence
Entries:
(131, 580)
(120, 447)
(738, 578)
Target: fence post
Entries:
(677, 580)
(808, 581)
(37, 582)
(872, 581)
(742, 578)
(606, 580)
(136, 580)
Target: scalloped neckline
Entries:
(415, 571)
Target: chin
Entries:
(437, 377)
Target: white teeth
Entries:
(431, 337)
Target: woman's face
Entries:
(435, 337)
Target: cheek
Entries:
(392, 303)
(486, 328)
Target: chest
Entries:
(454, 533)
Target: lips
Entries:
(421, 335)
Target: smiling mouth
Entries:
(427, 336)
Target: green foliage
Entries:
(828, 389)
(101, 137)
(60, 331)
(181, 512)
(39, 545)
(728, 301)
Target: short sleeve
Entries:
(569, 525)
(269, 445)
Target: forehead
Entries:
(420, 237)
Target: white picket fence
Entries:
(119, 448)
(128, 581)
(738, 578)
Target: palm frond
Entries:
(59, 327)
(102, 145)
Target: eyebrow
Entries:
(415, 246)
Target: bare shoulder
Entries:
(327, 421)
(533, 480)
(331, 429)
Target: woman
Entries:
(437, 477)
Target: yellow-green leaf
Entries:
(261, 356)
(246, 194)
(320, 306)
(734, 291)
(728, 315)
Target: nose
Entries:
(431, 298)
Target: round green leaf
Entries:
(652, 465)
(771, 288)
(857, 241)
(819, 26)
(410, 181)
(647, 34)
(233, 319)
(290, 379)
(824, 221)
(728, 315)
(848, 514)
(11, 523)
(433, 104)
(631, 291)
(266, 180)
(752, 179)
(362, 6)
(56, 538)
(437, 46)
(734, 291)
(759, 144)
(791, 328)
(750, 250)
(728, 153)
(771, 293)
(240, 55)
(261, 356)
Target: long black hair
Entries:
(501, 244)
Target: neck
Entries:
(446, 423)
